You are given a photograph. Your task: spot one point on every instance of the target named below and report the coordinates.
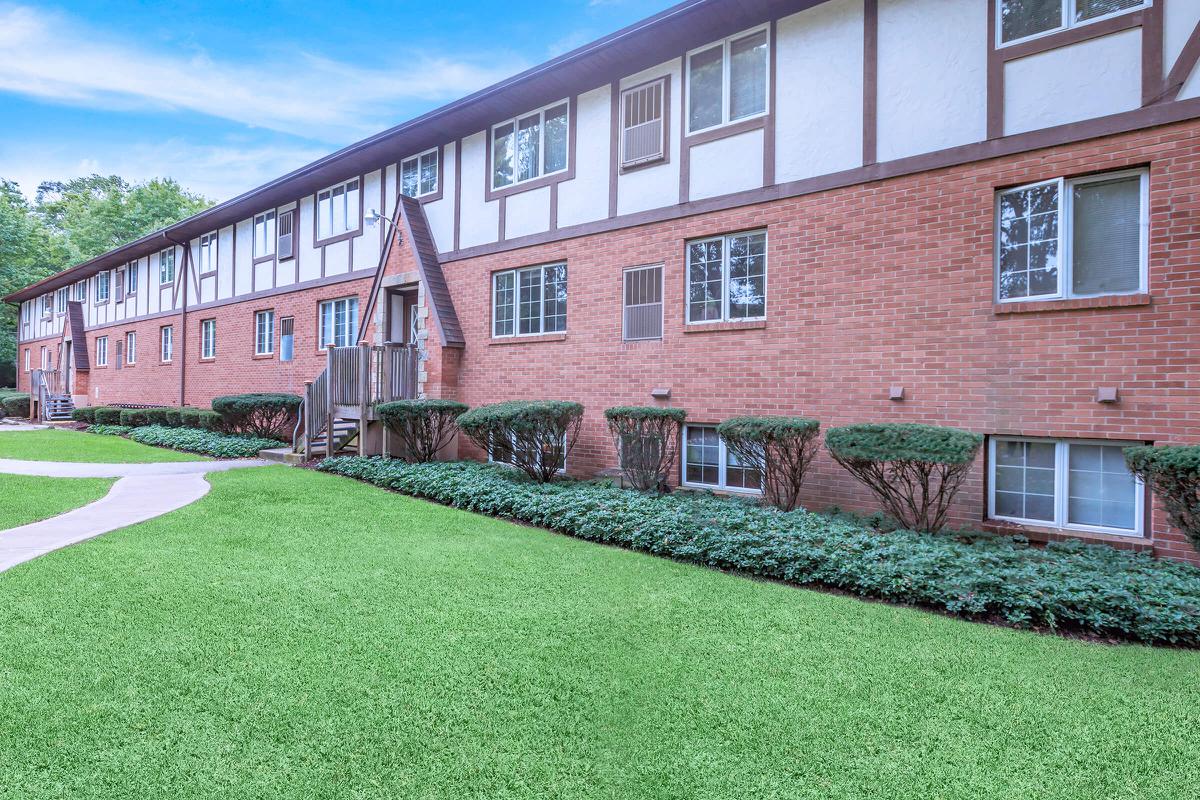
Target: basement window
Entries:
(708, 463)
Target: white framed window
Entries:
(1020, 20)
(529, 301)
(339, 322)
(101, 352)
(531, 146)
(727, 278)
(264, 333)
(642, 316)
(1069, 484)
(338, 210)
(79, 292)
(504, 451)
(131, 348)
(131, 278)
(208, 253)
(208, 338)
(728, 81)
(27, 359)
(60, 301)
(47, 305)
(264, 235)
(287, 338)
(285, 226)
(166, 343)
(643, 123)
(166, 267)
(102, 283)
(419, 175)
(1083, 237)
(708, 463)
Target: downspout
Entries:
(187, 279)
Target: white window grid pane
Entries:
(708, 66)
(529, 301)
(523, 150)
(554, 282)
(504, 304)
(410, 181)
(747, 283)
(706, 280)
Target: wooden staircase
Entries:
(345, 434)
(58, 408)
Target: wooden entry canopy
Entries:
(76, 330)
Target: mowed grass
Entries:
(26, 499)
(299, 635)
(63, 445)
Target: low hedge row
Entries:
(209, 443)
(109, 430)
(15, 405)
(1063, 586)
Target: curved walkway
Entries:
(142, 492)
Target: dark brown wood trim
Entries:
(502, 218)
(458, 147)
(769, 121)
(614, 145)
(725, 131)
(554, 206)
(1182, 69)
(1124, 122)
(490, 194)
(1080, 33)
(995, 78)
(1152, 52)
(870, 81)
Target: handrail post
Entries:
(329, 410)
(364, 397)
(305, 410)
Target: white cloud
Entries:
(54, 58)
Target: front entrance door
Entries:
(67, 361)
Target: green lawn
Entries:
(62, 445)
(24, 499)
(299, 635)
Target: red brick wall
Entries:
(889, 283)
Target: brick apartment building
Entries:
(957, 212)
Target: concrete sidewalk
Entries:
(143, 491)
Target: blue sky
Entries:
(224, 96)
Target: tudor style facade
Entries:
(978, 213)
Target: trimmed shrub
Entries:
(85, 414)
(647, 439)
(1173, 474)
(533, 435)
(155, 416)
(270, 416)
(209, 443)
(424, 426)
(914, 470)
(200, 418)
(16, 405)
(134, 417)
(109, 430)
(1064, 586)
(174, 419)
(104, 415)
(780, 448)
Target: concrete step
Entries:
(282, 455)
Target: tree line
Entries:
(71, 222)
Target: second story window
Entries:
(338, 210)
(1026, 19)
(531, 146)
(727, 81)
(727, 278)
(60, 301)
(79, 292)
(102, 280)
(131, 278)
(528, 302)
(264, 235)
(1073, 238)
(47, 305)
(642, 123)
(208, 253)
(419, 174)
(166, 267)
(284, 227)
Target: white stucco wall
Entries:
(728, 165)
(819, 102)
(932, 75)
(1179, 20)
(527, 212)
(1089, 79)
(585, 198)
(480, 220)
(440, 213)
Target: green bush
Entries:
(109, 430)
(134, 417)
(647, 439)
(209, 443)
(84, 414)
(533, 435)
(1064, 586)
(104, 415)
(155, 416)
(270, 416)
(173, 418)
(16, 405)
(780, 448)
(200, 418)
(424, 426)
(914, 470)
(1173, 474)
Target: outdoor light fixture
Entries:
(373, 218)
